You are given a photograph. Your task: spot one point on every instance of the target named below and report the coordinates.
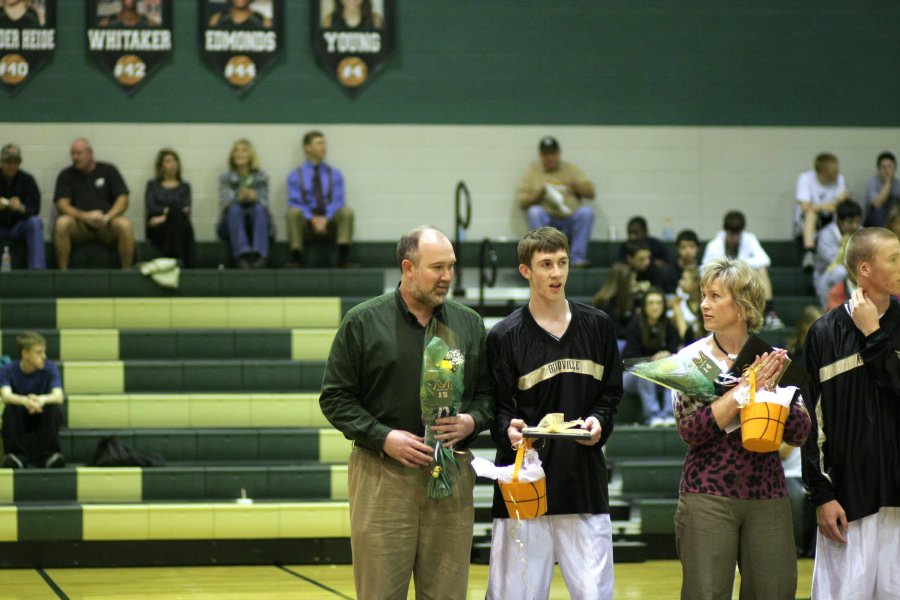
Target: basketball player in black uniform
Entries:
(851, 460)
(554, 356)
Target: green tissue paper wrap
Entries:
(676, 373)
(441, 396)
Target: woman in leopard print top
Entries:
(733, 506)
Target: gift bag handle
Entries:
(751, 378)
(524, 447)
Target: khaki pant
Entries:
(397, 531)
(340, 227)
(713, 533)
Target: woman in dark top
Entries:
(167, 203)
(652, 335)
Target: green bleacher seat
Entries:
(173, 521)
(164, 313)
(191, 445)
(114, 344)
(653, 478)
(630, 441)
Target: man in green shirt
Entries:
(370, 393)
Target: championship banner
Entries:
(352, 39)
(130, 38)
(27, 39)
(241, 38)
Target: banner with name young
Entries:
(352, 39)
(242, 38)
(129, 38)
(27, 39)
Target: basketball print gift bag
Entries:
(525, 488)
(523, 484)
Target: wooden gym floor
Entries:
(652, 580)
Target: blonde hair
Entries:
(810, 315)
(254, 158)
(861, 248)
(745, 285)
(825, 160)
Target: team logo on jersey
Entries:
(558, 367)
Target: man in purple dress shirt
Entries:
(316, 205)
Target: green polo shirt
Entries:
(373, 375)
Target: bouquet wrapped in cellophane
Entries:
(677, 373)
(441, 396)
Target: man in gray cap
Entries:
(551, 194)
(20, 205)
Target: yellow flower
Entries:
(446, 365)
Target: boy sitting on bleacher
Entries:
(32, 393)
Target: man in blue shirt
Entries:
(32, 393)
(316, 205)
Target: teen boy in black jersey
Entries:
(851, 460)
(554, 356)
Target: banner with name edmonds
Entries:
(130, 38)
(352, 39)
(27, 39)
(242, 38)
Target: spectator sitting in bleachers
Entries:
(637, 231)
(652, 335)
(687, 250)
(685, 307)
(626, 284)
(830, 246)
(316, 204)
(20, 206)
(552, 192)
(167, 203)
(883, 192)
(91, 198)
(32, 393)
(243, 199)
(818, 194)
(735, 243)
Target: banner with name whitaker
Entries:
(129, 38)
